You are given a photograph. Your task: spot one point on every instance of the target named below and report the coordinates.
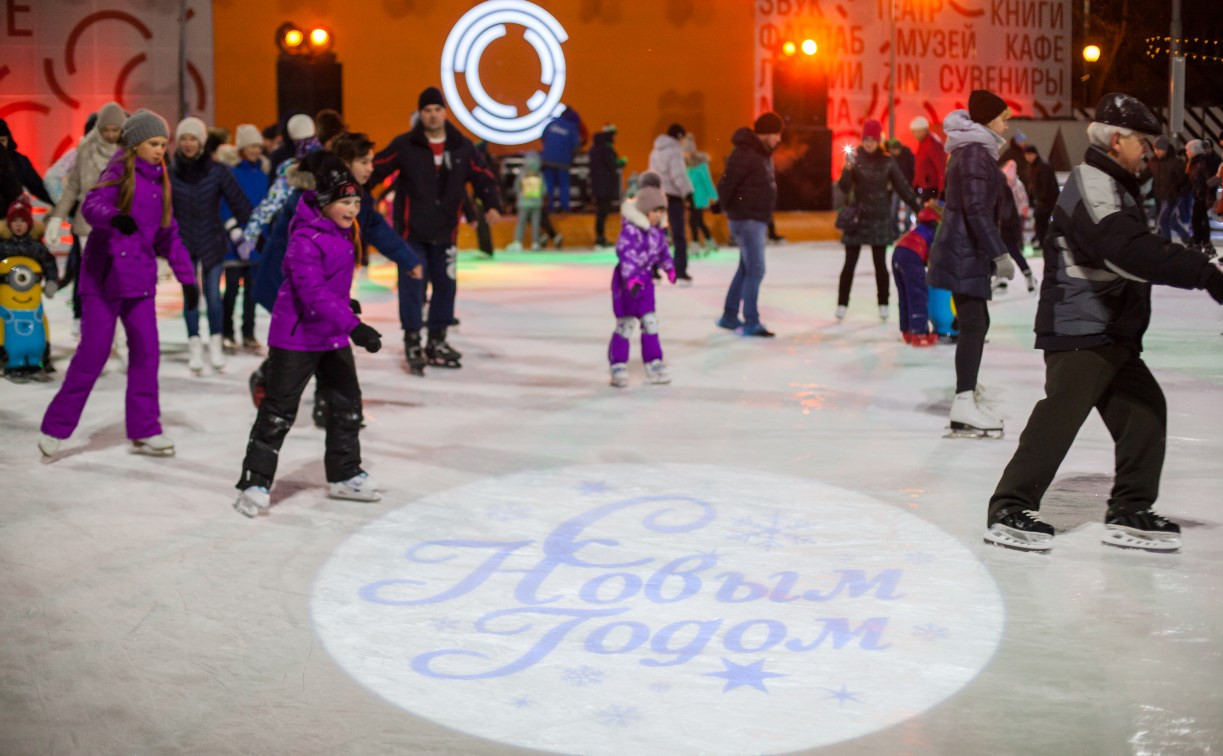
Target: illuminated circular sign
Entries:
(489, 119)
(657, 609)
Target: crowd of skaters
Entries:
(292, 220)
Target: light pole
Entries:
(1176, 75)
(892, 71)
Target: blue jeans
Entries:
(439, 269)
(1169, 220)
(745, 286)
(556, 178)
(210, 290)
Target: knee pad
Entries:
(649, 323)
(625, 327)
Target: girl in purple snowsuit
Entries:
(312, 322)
(642, 246)
(132, 221)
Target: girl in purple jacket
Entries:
(132, 221)
(642, 246)
(312, 322)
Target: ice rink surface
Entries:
(778, 552)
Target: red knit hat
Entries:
(872, 129)
(20, 209)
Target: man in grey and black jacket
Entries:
(1095, 305)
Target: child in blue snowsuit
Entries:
(642, 246)
(909, 267)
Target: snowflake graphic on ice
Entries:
(931, 631)
(580, 677)
(444, 624)
(772, 532)
(521, 702)
(506, 512)
(618, 716)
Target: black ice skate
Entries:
(1143, 530)
(1020, 530)
(441, 354)
(414, 354)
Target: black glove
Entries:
(1214, 285)
(124, 224)
(716, 207)
(366, 337)
(355, 306)
(191, 297)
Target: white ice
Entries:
(141, 614)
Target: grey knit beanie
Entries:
(110, 115)
(650, 198)
(142, 125)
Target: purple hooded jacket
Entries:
(311, 312)
(117, 266)
(640, 246)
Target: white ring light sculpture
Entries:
(489, 119)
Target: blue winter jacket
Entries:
(253, 179)
(561, 140)
(197, 209)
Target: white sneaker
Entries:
(253, 501)
(883, 312)
(656, 372)
(154, 446)
(841, 312)
(514, 247)
(619, 375)
(968, 418)
(216, 352)
(195, 355)
(48, 445)
(360, 487)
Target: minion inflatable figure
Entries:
(24, 347)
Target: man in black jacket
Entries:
(748, 193)
(22, 167)
(434, 163)
(604, 180)
(1095, 305)
(1042, 190)
(1169, 185)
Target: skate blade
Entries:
(348, 496)
(992, 435)
(149, 451)
(1125, 538)
(1006, 541)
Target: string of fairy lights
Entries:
(1192, 48)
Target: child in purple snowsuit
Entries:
(312, 323)
(130, 212)
(642, 246)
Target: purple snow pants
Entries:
(98, 316)
(627, 308)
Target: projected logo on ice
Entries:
(657, 609)
(491, 119)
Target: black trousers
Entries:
(1200, 220)
(287, 374)
(972, 314)
(243, 275)
(1115, 382)
(882, 282)
(696, 224)
(603, 208)
(675, 218)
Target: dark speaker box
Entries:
(800, 92)
(308, 85)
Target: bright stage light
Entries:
(489, 119)
(789, 48)
(319, 37)
(293, 37)
(809, 47)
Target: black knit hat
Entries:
(332, 179)
(675, 131)
(984, 106)
(1116, 109)
(768, 123)
(431, 96)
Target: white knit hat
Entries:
(248, 136)
(1194, 147)
(919, 123)
(300, 126)
(193, 126)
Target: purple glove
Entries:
(671, 275)
(245, 248)
(635, 285)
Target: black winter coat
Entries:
(748, 189)
(1042, 187)
(907, 161)
(197, 207)
(1168, 179)
(429, 201)
(1202, 168)
(1015, 152)
(968, 239)
(1101, 259)
(604, 167)
(872, 177)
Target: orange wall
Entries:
(638, 64)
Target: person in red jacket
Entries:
(931, 168)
